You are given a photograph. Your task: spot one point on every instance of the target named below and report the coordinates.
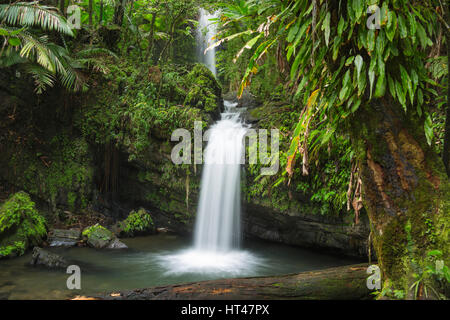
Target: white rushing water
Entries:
(206, 30)
(218, 223)
(219, 209)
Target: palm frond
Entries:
(32, 14)
(11, 56)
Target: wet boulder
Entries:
(117, 244)
(99, 237)
(47, 259)
(64, 238)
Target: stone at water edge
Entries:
(48, 259)
(117, 244)
(99, 237)
(64, 238)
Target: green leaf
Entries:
(349, 61)
(412, 27)
(345, 86)
(326, 28)
(341, 26)
(428, 126)
(424, 40)
(350, 11)
(391, 86)
(355, 105)
(400, 94)
(391, 26)
(380, 43)
(14, 41)
(362, 82)
(371, 80)
(415, 79)
(380, 88)
(3, 32)
(293, 31)
(336, 47)
(402, 27)
(358, 63)
(370, 40)
(420, 96)
(358, 7)
(407, 83)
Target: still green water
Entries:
(144, 265)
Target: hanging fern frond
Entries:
(42, 77)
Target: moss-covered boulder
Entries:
(137, 223)
(21, 225)
(204, 91)
(97, 236)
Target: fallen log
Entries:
(347, 282)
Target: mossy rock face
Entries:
(97, 236)
(61, 174)
(204, 91)
(137, 223)
(21, 225)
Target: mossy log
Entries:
(347, 282)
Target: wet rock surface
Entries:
(314, 231)
(117, 244)
(48, 259)
(64, 238)
(99, 237)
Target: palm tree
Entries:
(24, 27)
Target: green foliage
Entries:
(326, 185)
(21, 225)
(337, 64)
(25, 28)
(137, 222)
(204, 90)
(31, 14)
(97, 232)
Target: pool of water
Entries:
(151, 261)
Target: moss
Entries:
(21, 225)
(204, 90)
(62, 176)
(137, 223)
(97, 232)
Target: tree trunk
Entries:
(151, 38)
(348, 282)
(406, 191)
(90, 12)
(119, 12)
(101, 12)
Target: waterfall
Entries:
(205, 31)
(217, 229)
(219, 209)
